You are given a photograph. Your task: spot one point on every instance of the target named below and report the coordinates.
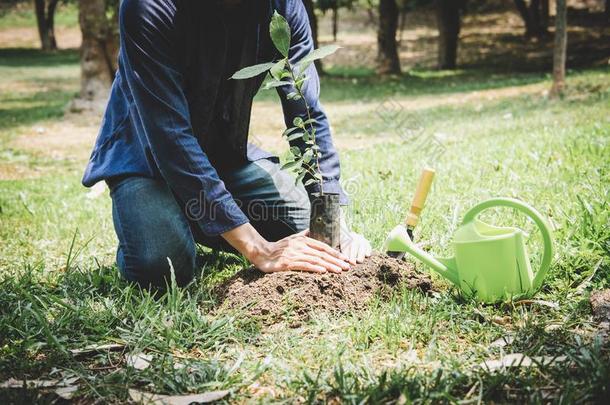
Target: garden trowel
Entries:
(417, 205)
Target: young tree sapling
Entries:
(324, 222)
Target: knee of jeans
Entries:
(152, 268)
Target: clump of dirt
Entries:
(294, 296)
(600, 305)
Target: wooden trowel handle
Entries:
(419, 199)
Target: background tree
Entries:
(448, 17)
(99, 49)
(387, 49)
(313, 22)
(45, 20)
(560, 51)
(535, 17)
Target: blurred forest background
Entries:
(388, 36)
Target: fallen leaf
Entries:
(139, 361)
(501, 320)
(520, 360)
(155, 399)
(96, 349)
(501, 342)
(258, 390)
(67, 392)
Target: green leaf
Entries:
(294, 136)
(307, 156)
(275, 83)
(297, 122)
(290, 130)
(316, 54)
(300, 177)
(299, 83)
(280, 33)
(277, 69)
(310, 182)
(291, 164)
(295, 151)
(252, 71)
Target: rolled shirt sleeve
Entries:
(301, 45)
(160, 112)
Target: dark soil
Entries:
(600, 305)
(293, 296)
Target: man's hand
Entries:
(295, 252)
(353, 245)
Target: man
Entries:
(173, 144)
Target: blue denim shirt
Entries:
(147, 127)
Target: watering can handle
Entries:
(534, 215)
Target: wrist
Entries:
(247, 241)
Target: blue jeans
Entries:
(152, 225)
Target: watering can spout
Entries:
(398, 241)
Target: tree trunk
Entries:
(560, 50)
(544, 14)
(51, 22)
(535, 17)
(313, 23)
(401, 23)
(45, 18)
(99, 50)
(335, 20)
(387, 51)
(448, 20)
(525, 16)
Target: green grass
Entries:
(59, 288)
(23, 16)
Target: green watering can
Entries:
(491, 263)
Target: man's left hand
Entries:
(353, 245)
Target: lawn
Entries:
(487, 133)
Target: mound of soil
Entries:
(293, 296)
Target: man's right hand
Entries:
(295, 252)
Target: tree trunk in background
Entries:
(525, 16)
(45, 20)
(534, 10)
(560, 50)
(387, 51)
(535, 17)
(313, 23)
(448, 20)
(544, 14)
(335, 20)
(98, 52)
(401, 23)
